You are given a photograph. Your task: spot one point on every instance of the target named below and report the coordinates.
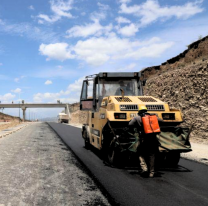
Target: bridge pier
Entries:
(24, 112)
(67, 111)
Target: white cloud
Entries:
(60, 8)
(31, 7)
(153, 51)
(124, 1)
(88, 30)
(29, 31)
(6, 98)
(98, 16)
(2, 22)
(76, 86)
(129, 30)
(1, 64)
(42, 97)
(18, 79)
(151, 11)
(18, 90)
(97, 51)
(60, 67)
(44, 18)
(59, 51)
(103, 6)
(48, 82)
(72, 92)
(129, 67)
(122, 20)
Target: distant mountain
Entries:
(49, 119)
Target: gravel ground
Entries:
(36, 168)
(199, 153)
(6, 125)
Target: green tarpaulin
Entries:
(175, 140)
(171, 139)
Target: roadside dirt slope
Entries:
(7, 121)
(77, 117)
(8, 118)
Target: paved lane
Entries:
(187, 185)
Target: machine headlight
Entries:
(120, 115)
(168, 116)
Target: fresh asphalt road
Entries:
(186, 185)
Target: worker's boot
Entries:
(152, 165)
(143, 165)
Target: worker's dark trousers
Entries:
(148, 149)
(151, 163)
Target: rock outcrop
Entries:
(183, 82)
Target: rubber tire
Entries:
(86, 144)
(172, 159)
(86, 141)
(111, 156)
(114, 157)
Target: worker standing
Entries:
(148, 142)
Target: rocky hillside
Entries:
(196, 51)
(182, 82)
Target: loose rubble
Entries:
(38, 169)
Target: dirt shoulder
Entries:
(38, 169)
(7, 125)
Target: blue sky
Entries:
(47, 47)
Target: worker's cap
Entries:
(142, 109)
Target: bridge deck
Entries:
(40, 105)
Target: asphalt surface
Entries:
(185, 185)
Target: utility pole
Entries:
(19, 107)
(3, 113)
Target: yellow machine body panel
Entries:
(118, 109)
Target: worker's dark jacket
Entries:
(137, 121)
(150, 142)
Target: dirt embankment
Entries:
(182, 82)
(8, 118)
(77, 117)
(7, 121)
